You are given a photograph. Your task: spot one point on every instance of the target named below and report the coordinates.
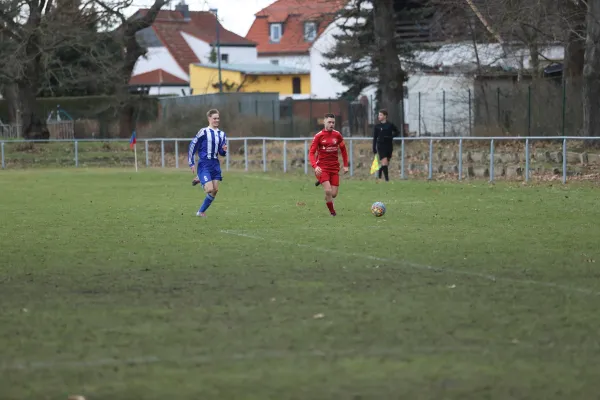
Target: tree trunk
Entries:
(575, 46)
(10, 92)
(391, 75)
(132, 52)
(28, 83)
(126, 108)
(534, 54)
(32, 124)
(591, 72)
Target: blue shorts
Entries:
(209, 171)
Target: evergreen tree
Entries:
(367, 52)
(350, 60)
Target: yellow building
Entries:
(204, 78)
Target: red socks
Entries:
(330, 206)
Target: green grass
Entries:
(111, 288)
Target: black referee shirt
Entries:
(383, 135)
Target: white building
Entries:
(441, 84)
(293, 34)
(177, 39)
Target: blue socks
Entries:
(207, 202)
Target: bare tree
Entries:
(132, 50)
(591, 71)
(33, 32)
(8, 70)
(23, 27)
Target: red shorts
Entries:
(332, 177)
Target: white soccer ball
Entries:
(378, 209)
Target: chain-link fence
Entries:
(491, 107)
(497, 108)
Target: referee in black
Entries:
(383, 142)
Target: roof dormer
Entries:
(275, 32)
(310, 31)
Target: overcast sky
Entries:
(235, 15)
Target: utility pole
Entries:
(216, 12)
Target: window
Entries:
(224, 58)
(276, 32)
(296, 89)
(310, 31)
(275, 62)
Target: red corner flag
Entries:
(132, 141)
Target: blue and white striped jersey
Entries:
(208, 143)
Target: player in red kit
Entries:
(326, 164)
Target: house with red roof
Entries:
(178, 38)
(295, 33)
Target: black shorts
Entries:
(385, 151)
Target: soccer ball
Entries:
(378, 209)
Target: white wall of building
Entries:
(322, 84)
(302, 62)
(240, 55)
(168, 90)
(159, 58)
(200, 48)
(236, 54)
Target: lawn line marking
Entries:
(412, 265)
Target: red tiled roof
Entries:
(206, 23)
(293, 14)
(155, 78)
(202, 25)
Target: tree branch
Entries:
(11, 28)
(147, 20)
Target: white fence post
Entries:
(306, 157)
(460, 159)
(227, 156)
(246, 154)
(284, 155)
(147, 156)
(492, 160)
(402, 159)
(264, 154)
(351, 157)
(430, 159)
(564, 161)
(527, 160)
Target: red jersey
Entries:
(326, 145)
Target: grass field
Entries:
(111, 288)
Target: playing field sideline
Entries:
(112, 288)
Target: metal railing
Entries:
(10, 131)
(487, 154)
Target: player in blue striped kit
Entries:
(209, 143)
